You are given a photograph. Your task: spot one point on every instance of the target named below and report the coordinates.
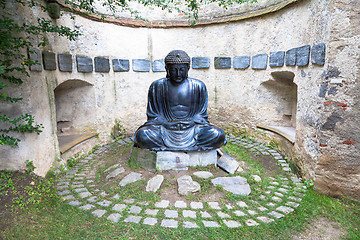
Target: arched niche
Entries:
(282, 91)
(75, 112)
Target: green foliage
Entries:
(29, 167)
(15, 38)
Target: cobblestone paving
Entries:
(279, 199)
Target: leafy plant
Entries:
(29, 167)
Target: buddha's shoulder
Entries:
(196, 82)
(158, 82)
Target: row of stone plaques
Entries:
(294, 57)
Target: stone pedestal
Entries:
(143, 158)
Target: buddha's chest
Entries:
(179, 95)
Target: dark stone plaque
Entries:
(302, 55)
(101, 64)
(141, 65)
(35, 55)
(84, 64)
(259, 61)
(290, 58)
(121, 65)
(318, 54)
(200, 62)
(241, 62)
(276, 59)
(158, 66)
(49, 61)
(65, 62)
(222, 62)
(323, 89)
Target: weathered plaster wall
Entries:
(327, 142)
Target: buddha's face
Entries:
(177, 73)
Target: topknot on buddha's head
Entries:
(177, 57)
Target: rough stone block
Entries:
(302, 55)
(143, 157)
(158, 66)
(290, 57)
(49, 61)
(318, 54)
(203, 174)
(154, 183)
(115, 173)
(236, 185)
(200, 62)
(141, 65)
(203, 158)
(130, 178)
(241, 62)
(259, 61)
(186, 185)
(222, 62)
(167, 160)
(228, 163)
(84, 64)
(102, 64)
(121, 65)
(35, 55)
(277, 59)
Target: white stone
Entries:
(196, 205)
(151, 212)
(135, 209)
(154, 183)
(239, 213)
(265, 219)
(130, 178)
(114, 217)
(189, 213)
(180, 204)
(256, 178)
(186, 185)
(203, 159)
(210, 223)
(223, 215)
(104, 203)
(99, 212)
(162, 204)
(228, 163)
(171, 213)
(232, 223)
(111, 167)
(132, 219)
(150, 221)
(119, 207)
(285, 209)
(170, 223)
(115, 173)
(203, 174)
(205, 215)
(188, 224)
(276, 214)
(214, 205)
(87, 207)
(241, 204)
(236, 185)
(167, 160)
(251, 222)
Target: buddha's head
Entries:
(177, 64)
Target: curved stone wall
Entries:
(326, 141)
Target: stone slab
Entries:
(214, 205)
(151, 212)
(186, 185)
(222, 62)
(290, 57)
(121, 65)
(318, 54)
(141, 65)
(189, 214)
(115, 173)
(210, 223)
(200, 62)
(166, 160)
(232, 223)
(251, 222)
(203, 158)
(196, 205)
(241, 62)
(236, 185)
(150, 221)
(87, 207)
(188, 224)
(259, 61)
(169, 223)
(114, 217)
(102, 64)
(119, 207)
(158, 66)
(49, 60)
(154, 183)
(144, 158)
(84, 64)
(205, 215)
(302, 55)
(35, 55)
(180, 204)
(75, 203)
(135, 209)
(162, 204)
(276, 59)
(99, 212)
(203, 174)
(284, 209)
(171, 213)
(104, 203)
(111, 167)
(85, 194)
(130, 178)
(228, 164)
(132, 219)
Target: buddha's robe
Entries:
(177, 127)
